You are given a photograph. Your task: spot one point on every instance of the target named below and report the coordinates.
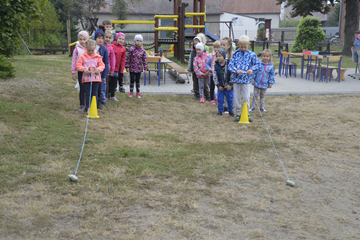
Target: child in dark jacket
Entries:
(103, 52)
(222, 79)
(264, 78)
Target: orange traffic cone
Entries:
(93, 109)
(244, 114)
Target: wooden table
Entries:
(300, 55)
(161, 61)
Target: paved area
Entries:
(282, 86)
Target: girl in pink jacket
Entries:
(202, 73)
(83, 36)
(91, 64)
(112, 60)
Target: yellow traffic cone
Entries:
(244, 114)
(93, 109)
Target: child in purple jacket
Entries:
(134, 62)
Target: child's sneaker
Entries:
(104, 102)
(138, 95)
(250, 119)
(219, 114)
(212, 102)
(122, 89)
(106, 99)
(263, 110)
(114, 99)
(252, 109)
(81, 108)
(237, 118)
(202, 100)
(130, 94)
(231, 114)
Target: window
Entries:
(111, 3)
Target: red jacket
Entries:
(90, 63)
(120, 55)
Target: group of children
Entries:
(100, 62)
(232, 72)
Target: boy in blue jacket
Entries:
(222, 79)
(102, 51)
(243, 63)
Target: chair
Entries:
(310, 67)
(157, 61)
(354, 75)
(286, 64)
(327, 70)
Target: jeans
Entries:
(229, 97)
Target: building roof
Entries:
(153, 7)
(250, 6)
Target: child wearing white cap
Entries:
(134, 62)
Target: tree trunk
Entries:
(351, 24)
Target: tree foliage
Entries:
(333, 16)
(17, 16)
(309, 34)
(45, 30)
(289, 22)
(6, 68)
(83, 9)
(120, 10)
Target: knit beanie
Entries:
(222, 51)
(359, 36)
(200, 46)
(138, 37)
(99, 33)
(198, 38)
(120, 34)
(84, 34)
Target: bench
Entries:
(178, 70)
(50, 50)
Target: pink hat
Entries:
(120, 34)
(85, 34)
(359, 36)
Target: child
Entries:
(120, 55)
(107, 44)
(91, 64)
(264, 78)
(191, 70)
(102, 51)
(210, 66)
(222, 79)
(107, 26)
(203, 40)
(83, 36)
(243, 63)
(200, 69)
(135, 60)
(226, 43)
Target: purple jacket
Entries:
(135, 59)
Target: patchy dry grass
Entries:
(165, 167)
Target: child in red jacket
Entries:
(120, 55)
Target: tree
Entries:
(306, 7)
(83, 9)
(333, 17)
(289, 22)
(308, 34)
(17, 16)
(120, 10)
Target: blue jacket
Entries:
(264, 76)
(105, 58)
(243, 61)
(220, 78)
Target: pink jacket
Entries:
(111, 58)
(90, 63)
(200, 65)
(78, 51)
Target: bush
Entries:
(261, 34)
(6, 69)
(309, 34)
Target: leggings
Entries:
(94, 92)
(112, 85)
(202, 85)
(212, 89)
(82, 89)
(257, 92)
(135, 77)
(120, 77)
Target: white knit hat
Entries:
(200, 46)
(198, 38)
(138, 37)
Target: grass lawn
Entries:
(166, 167)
